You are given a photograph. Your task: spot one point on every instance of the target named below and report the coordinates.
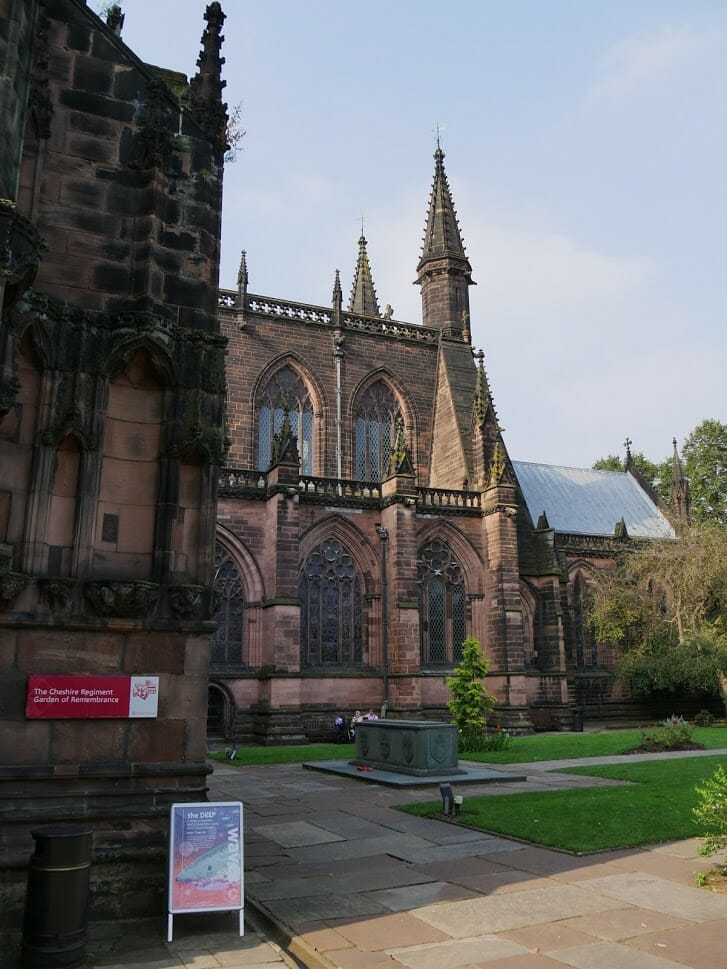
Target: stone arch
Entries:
(529, 602)
(358, 544)
(253, 595)
(446, 577)
(406, 410)
(469, 557)
(263, 426)
(248, 568)
(220, 710)
(584, 645)
(62, 522)
(31, 333)
(338, 574)
(130, 496)
(162, 363)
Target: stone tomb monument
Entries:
(421, 748)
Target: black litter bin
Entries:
(578, 719)
(56, 902)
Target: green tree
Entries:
(470, 701)
(666, 606)
(658, 475)
(704, 458)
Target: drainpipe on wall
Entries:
(338, 354)
(384, 537)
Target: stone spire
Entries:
(205, 88)
(444, 271)
(242, 280)
(337, 297)
(363, 301)
(680, 499)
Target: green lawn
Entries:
(564, 746)
(522, 751)
(656, 806)
(252, 756)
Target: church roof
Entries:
(586, 502)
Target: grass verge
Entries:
(655, 806)
(564, 746)
(254, 756)
(524, 750)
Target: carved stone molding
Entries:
(123, 599)
(186, 601)
(11, 585)
(22, 251)
(57, 592)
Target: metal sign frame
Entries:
(206, 871)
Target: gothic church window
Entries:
(226, 648)
(586, 645)
(330, 608)
(442, 606)
(376, 417)
(284, 393)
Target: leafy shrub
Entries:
(474, 742)
(711, 812)
(703, 719)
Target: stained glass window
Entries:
(375, 430)
(226, 648)
(330, 608)
(585, 639)
(442, 606)
(285, 393)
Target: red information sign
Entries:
(84, 697)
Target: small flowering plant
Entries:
(674, 733)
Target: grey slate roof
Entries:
(586, 502)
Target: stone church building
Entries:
(370, 518)
(324, 547)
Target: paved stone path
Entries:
(350, 882)
(338, 878)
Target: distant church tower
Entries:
(444, 271)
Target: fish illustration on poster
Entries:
(206, 858)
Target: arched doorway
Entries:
(216, 714)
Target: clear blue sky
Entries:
(586, 152)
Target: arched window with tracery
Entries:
(331, 598)
(585, 639)
(285, 393)
(376, 416)
(226, 648)
(442, 606)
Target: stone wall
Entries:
(111, 437)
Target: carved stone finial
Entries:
(205, 88)
(400, 462)
(242, 281)
(115, 19)
(285, 444)
(629, 459)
